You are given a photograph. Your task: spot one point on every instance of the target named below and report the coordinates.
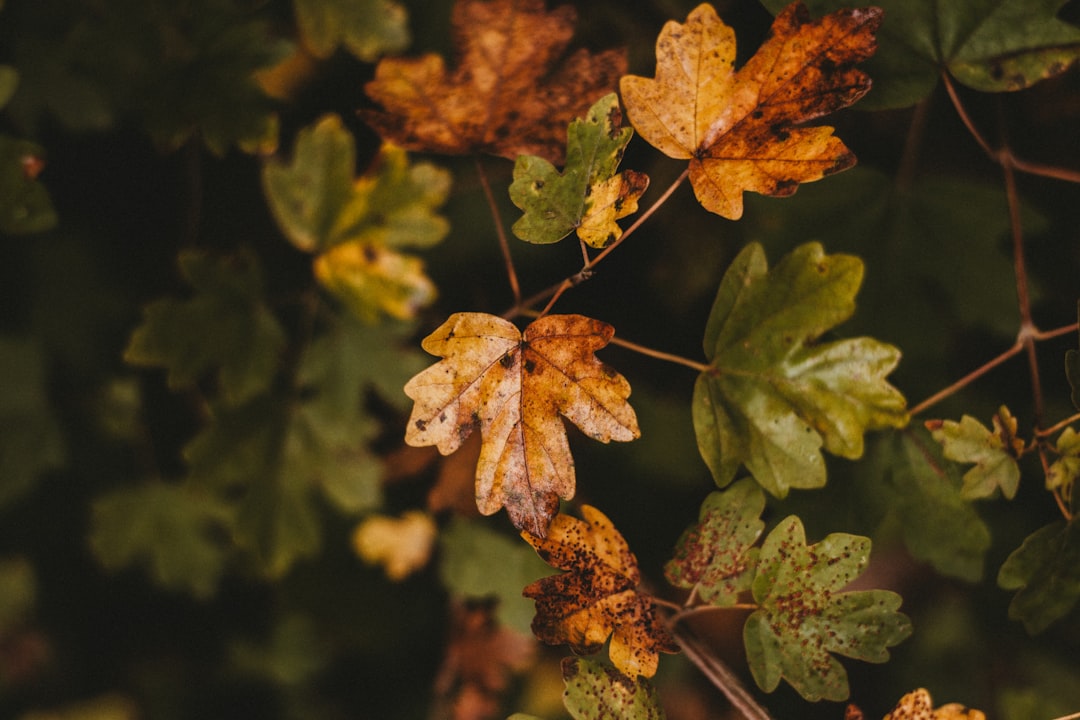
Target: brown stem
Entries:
(719, 674)
(504, 244)
(967, 379)
(659, 355)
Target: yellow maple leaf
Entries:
(738, 128)
(597, 596)
(401, 545)
(514, 386)
(917, 705)
(512, 92)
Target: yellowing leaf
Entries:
(917, 705)
(994, 452)
(512, 93)
(514, 386)
(1065, 470)
(367, 28)
(597, 596)
(370, 279)
(588, 195)
(739, 128)
(401, 545)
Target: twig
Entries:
(660, 355)
(504, 245)
(719, 674)
(967, 379)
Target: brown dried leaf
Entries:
(597, 596)
(513, 91)
(514, 386)
(917, 705)
(738, 128)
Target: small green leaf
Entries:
(25, 205)
(366, 28)
(1045, 572)
(30, 438)
(993, 452)
(588, 196)
(225, 325)
(1065, 470)
(173, 530)
(291, 657)
(477, 562)
(919, 492)
(773, 396)
(803, 616)
(597, 692)
(716, 555)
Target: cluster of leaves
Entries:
(297, 382)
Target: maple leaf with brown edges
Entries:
(741, 130)
(513, 92)
(597, 596)
(514, 386)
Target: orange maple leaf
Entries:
(598, 596)
(514, 386)
(513, 92)
(738, 128)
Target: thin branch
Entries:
(504, 244)
(719, 674)
(1058, 426)
(967, 379)
(641, 218)
(659, 355)
(965, 118)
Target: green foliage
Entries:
(18, 591)
(176, 532)
(225, 326)
(367, 29)
(989, 45)
(596, 691)
(716, 556)
(1045, 572)
(478, 562)
(25, 205)
(773, 397)
(587, 196)
(803, 616)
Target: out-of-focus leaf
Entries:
(588, 195)
(989, 45)
(25, 205)
(18, 591)
(916, 490)
(370, 280)
(994, 452)
(803, 616)
(402, 545)
(9, 80)
(597, 596)
(366, 28)
(716, 555)
(292, 655)
(773, 396)
(594, 691)
(30, 439)
(477, 562)
(175, 531)
(513, 92)
(111, 706)
(223, 326)
(1045, 572)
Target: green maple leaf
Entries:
(993, 452)
(989, 45)
(715, 555)
(803, 616)
(356, 227)
(773, 395)
(1064, 471)
(588, 195)
(478, 562)
(225, 326)
(30, 437)
(1045, 572)
(596, 691)
(910, 486)
(170, 528)
(367, 29)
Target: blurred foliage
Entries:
(194, 422)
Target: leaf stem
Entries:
(660, 355)
(1057, 426)
(717, 671)
(967, 379)
(504, 244)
